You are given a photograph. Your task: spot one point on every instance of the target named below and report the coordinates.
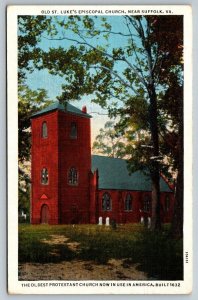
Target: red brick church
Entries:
(71, 186)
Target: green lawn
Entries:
(156, 253)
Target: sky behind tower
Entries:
(42, 79)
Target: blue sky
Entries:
(43, 79)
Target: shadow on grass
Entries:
(159, 256)
(36, 251)
(155, 253)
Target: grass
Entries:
(155, 253)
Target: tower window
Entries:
(128, 202)
(147, 203)
(44, 130)
(73, 176)
(106, 202)
(73, 131)
(44, 176)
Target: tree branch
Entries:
(101, 114)
(107, 31)
(116, 75)
(84, 42)
(147, 47)
(132, 42)
(135, 71)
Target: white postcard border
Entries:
(15, 286)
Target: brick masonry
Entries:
(60, 202)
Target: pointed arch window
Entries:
(128, 202)
(44, 176)
(167, 203)
(44, 130)
(73, 131)
(106, 202)
(73, 176)
(147, 203)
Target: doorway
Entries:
(44, 214)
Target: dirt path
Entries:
(81, 270)
(114, 269)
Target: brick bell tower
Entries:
(61, 165)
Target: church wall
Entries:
(94, 197)
(117, 211)
(74, 153)
(137, 212)
(62, 201)
(44, 154)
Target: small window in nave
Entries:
(147, 203)
(128, 202)
(167, 203)
(106, 202)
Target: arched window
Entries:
(106, 202)
(147, 203)
(73, 131)
(73, 176)
(167, 203)
(44, 176)
(128, 202)
(44, 130)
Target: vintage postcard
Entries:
(99, 127)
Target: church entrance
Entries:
(44, 214)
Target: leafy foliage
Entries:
(108, 142)
(29, 102)
(30, 29)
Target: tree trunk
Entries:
(177, 223)
(155, 177)
(155, 218)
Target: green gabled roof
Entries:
(59, 106)
(113, 174)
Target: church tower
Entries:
(61, 165)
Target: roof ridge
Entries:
(57, 105)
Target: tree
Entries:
(30, 29)
(171, 103)
(29, 102)
(126, 73)
(108, 142)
